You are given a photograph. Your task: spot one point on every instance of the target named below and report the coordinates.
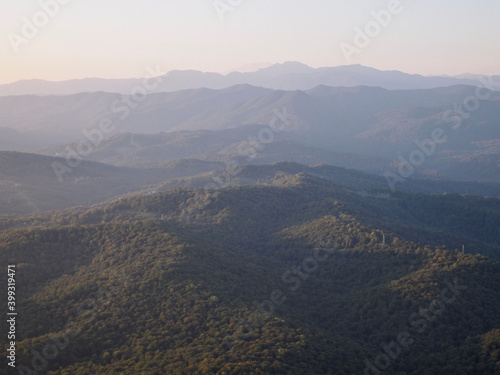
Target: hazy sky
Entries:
(120, 38)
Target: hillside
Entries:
(295, 276)
(378, 129)
(30, 183)
(61, 119)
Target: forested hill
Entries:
(31, 183)
(296, 275)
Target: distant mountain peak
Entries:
(289, 67)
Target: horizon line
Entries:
(227, 73)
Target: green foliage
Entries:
(137, 294)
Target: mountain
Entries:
(74, 86)
(367, 128)
(378, 129)
(217, 109)
(34, 184)
(334, 112)
(56, 119)
(294, 276)
(287, 76)
(363, 184)
(222, 146)
(29, 183)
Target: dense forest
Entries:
(293, 275)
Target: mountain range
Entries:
(367, 128)
(287, 76)
(286, 221)
(29, 184)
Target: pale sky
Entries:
(120, 38)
